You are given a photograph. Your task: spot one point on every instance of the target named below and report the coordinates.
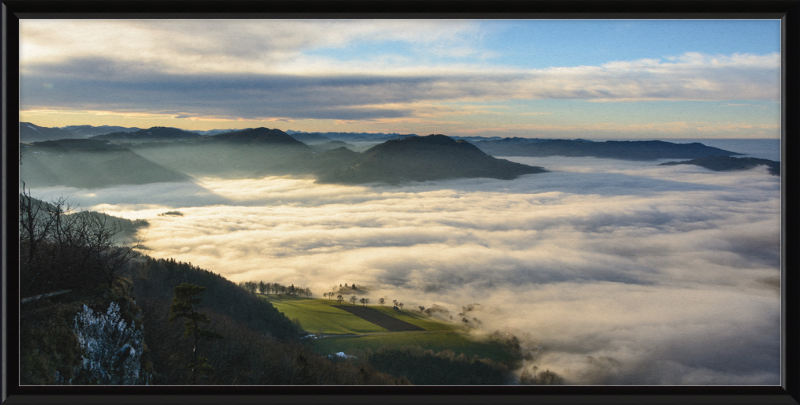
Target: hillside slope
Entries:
(430, 157)
(726, 163)
(86, 163)
(150, 134)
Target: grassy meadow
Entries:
(345, 332)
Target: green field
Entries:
(318, 316)
(455, 341)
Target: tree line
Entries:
(427, 367)
(275, 288)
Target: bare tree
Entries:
(60, 247)
(381, 301)
(339, 298)
(353, 299)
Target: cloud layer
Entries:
(260, 70)
(623, 272)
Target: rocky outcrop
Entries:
(111, 349)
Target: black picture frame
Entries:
(787, 10)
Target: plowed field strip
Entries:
(380, 319)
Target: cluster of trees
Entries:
(348, 289)
(275, 288)
(354, 299)
(63, 249)
(546, 377)
(442, 368)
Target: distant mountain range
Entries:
(97, 162)
(29, 132)
(88, 130)
(627, 150)
(161, 154)
(150, 134)
(726, 163)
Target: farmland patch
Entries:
(385, 321)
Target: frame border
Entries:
(786, 10)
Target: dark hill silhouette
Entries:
(154, 133)
(627, 150)
(726, 163)
(78, 145)
(430, 157)
(258, 136)
(88, 163)
(89, 130)
(29, 132)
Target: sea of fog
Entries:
(610, 271)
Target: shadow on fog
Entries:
(173, 195)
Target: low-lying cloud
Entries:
(620, 272)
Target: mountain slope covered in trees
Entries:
(627, 150)
(150, 134)
(727, 163)
(430, 157)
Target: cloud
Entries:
(269, 69)
(238, 46)
(102, 84)
(623, 272)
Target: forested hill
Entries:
(129, 324)
(726, 163)
(154, 133)
(258, 136)
(430, 157)
(627, 150)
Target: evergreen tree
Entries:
(185, 304)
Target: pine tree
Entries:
(185, 304)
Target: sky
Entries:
(649, 79)
(612, 272)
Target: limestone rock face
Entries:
(111, 349)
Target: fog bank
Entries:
(624, 272)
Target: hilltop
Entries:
(150, 134)
(430, 157)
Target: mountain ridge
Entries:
(625, 150)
